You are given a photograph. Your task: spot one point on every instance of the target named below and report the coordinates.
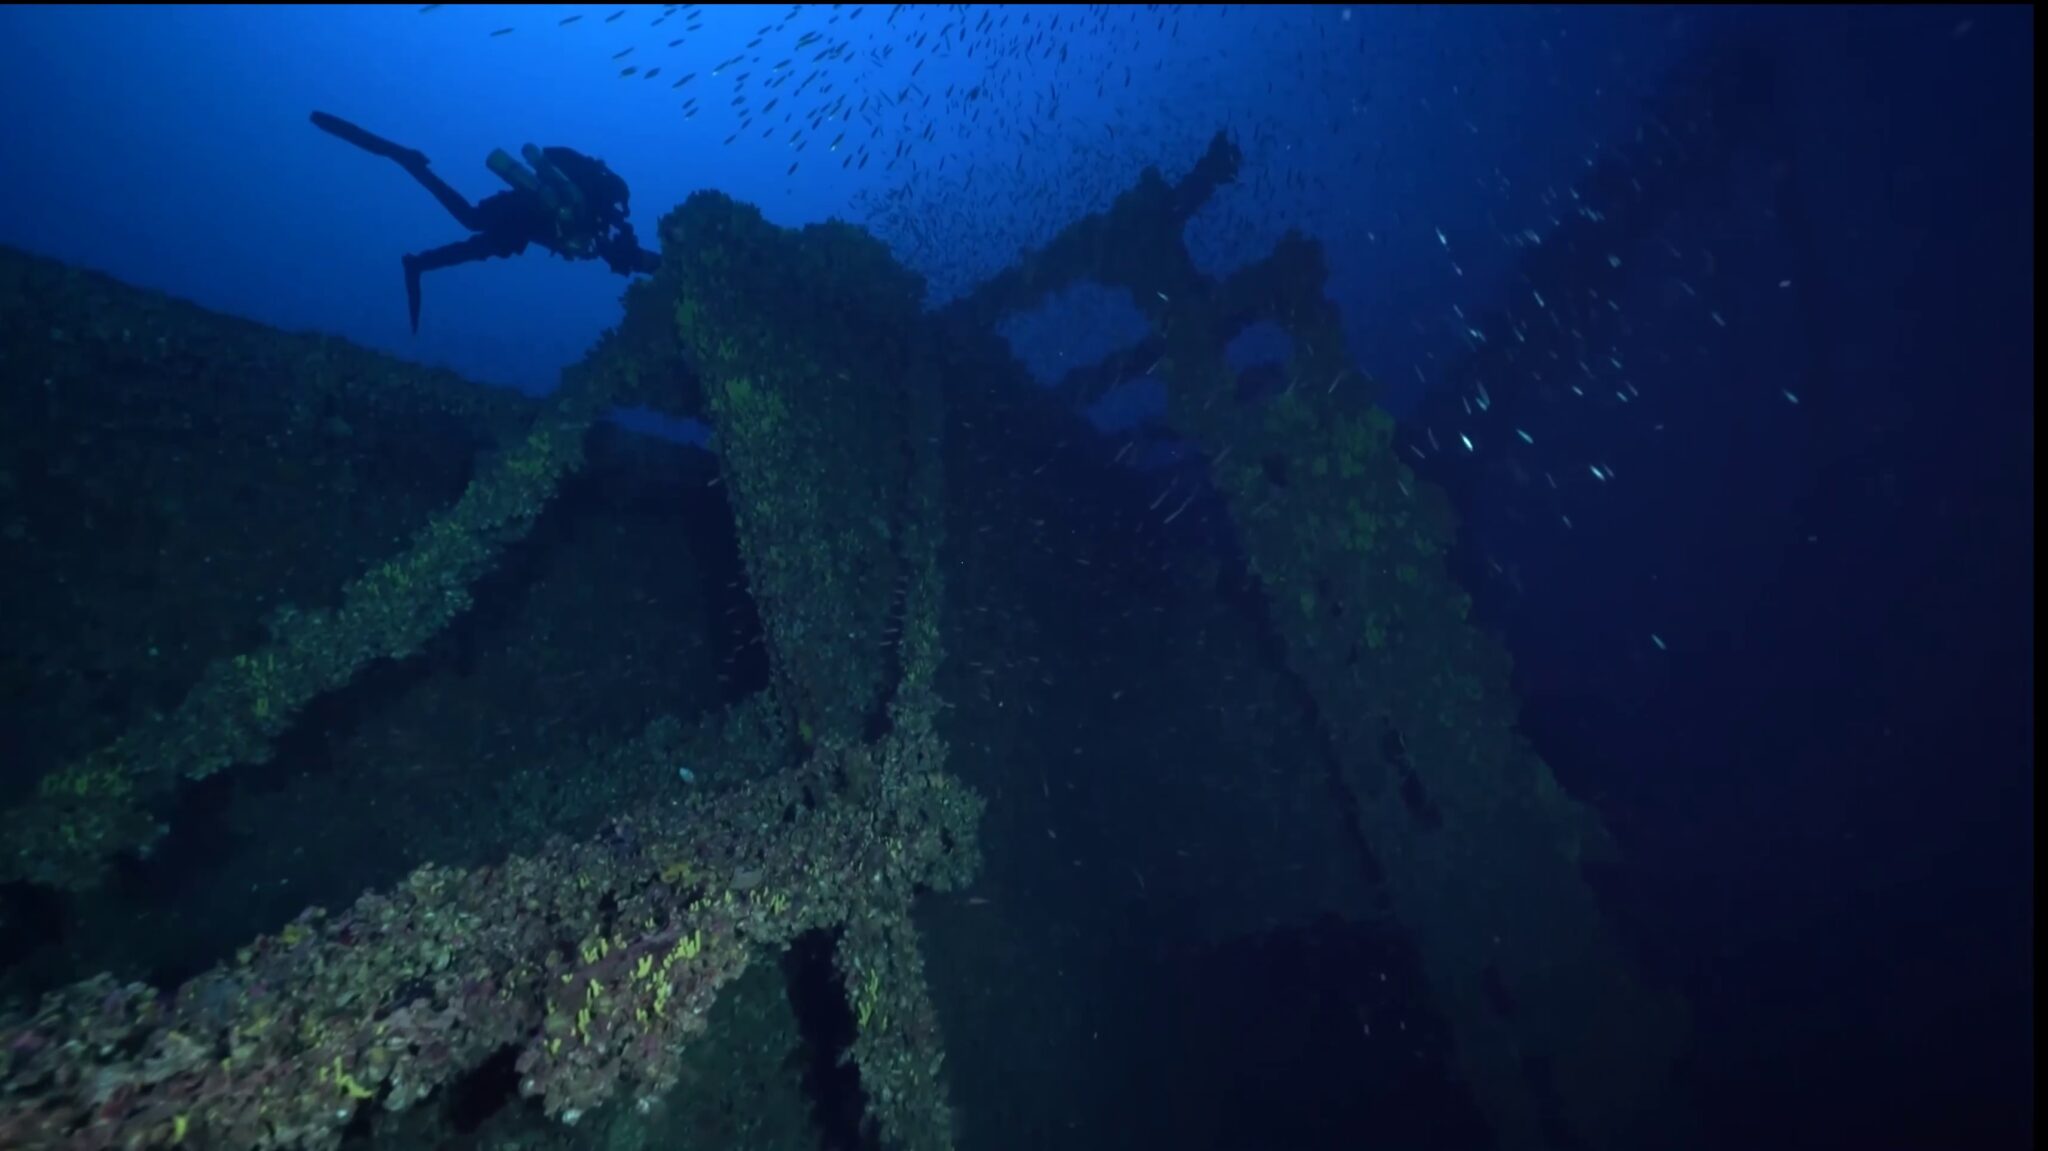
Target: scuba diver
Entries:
(561, 199)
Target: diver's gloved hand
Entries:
(623, 254)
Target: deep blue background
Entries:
(1824, 780)
(169, 145)
(1823, 777)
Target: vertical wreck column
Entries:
(802, 340)
(813, 356)
(1478, 846)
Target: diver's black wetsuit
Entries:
(574, 206)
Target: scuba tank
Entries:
(514, 173)
(540, 179)
(568, 190)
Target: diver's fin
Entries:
(412, 292)
(368, 141)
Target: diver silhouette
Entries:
(561, 199)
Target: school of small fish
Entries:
(970, 133)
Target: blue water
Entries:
(1767, 574)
